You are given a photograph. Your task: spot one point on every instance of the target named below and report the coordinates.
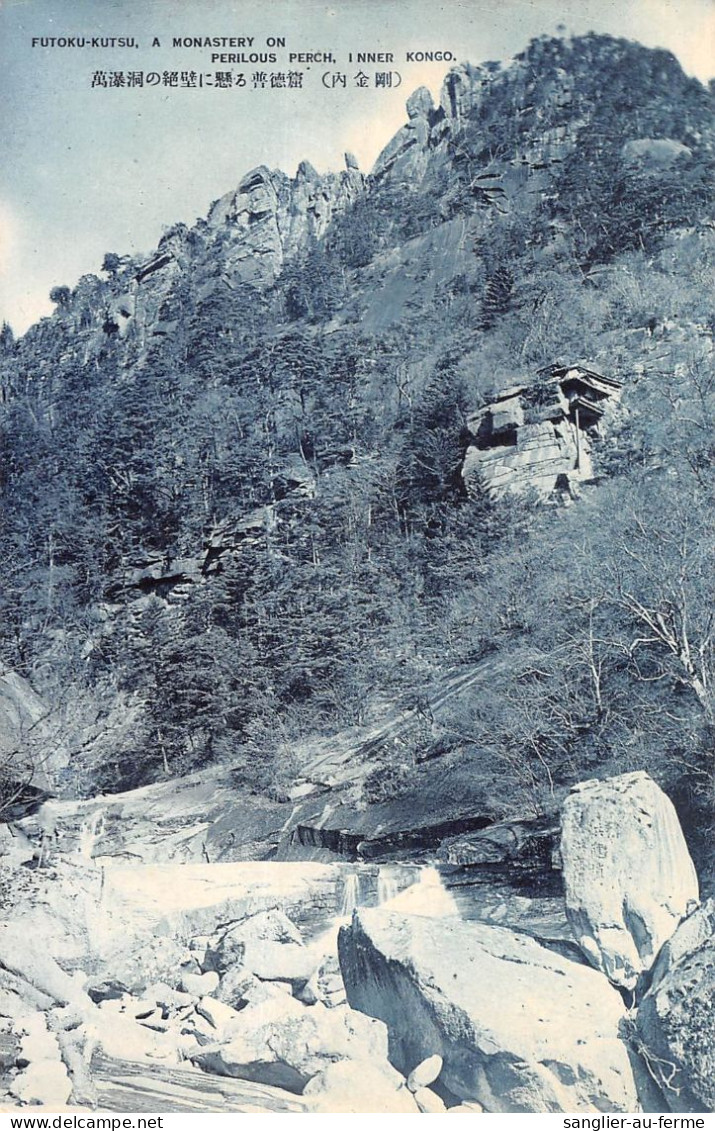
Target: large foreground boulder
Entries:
(676, 1019)
(519, 1028)
(284, 1043)
(628, 875)
(359, 1087)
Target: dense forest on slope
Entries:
(234, 517)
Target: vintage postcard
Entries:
(356, 559)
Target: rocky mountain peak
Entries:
(420, 104)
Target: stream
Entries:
(201, 940)
(147, 943)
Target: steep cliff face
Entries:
(250, 498)
(270, 218)
(248, 237)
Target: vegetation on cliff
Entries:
(233, 510)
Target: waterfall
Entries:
(414, 890)
(428, 896)
(90, 831)
(388, 884)
(351, 895)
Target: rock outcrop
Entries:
(268, 218)
(407, 153)
(521, 843)
(126, 1085)
(536, 437)
(518, 1027)
(676, 1019)
(628, 875)
(26, 737)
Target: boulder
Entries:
(234, 985)
(519, 1028)
(250, 935)
(282, 962)
(171, 1001)
(359, 1087)
(260, 992)
(429, 1102)
(142, 1008)
(219, 1015)
(200, 943)
(117, 1034)
(201, 1032)
(154, 1020)
(628, 876)
(199, 985)
(676, 1019)
(465, 1109)
(425, 1073)
(325, 984)
(160, 959)
(692, 933)
(106, 989)
(43, 1082)
(284, 1043)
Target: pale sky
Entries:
(93, 170)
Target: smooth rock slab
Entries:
(127, 1086)
(676, 1019)
(628, 875)
(519, 1028)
